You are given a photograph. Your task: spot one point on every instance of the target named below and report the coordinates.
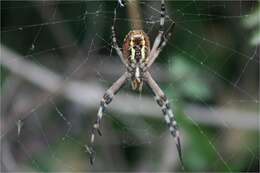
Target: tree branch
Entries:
(88, 95)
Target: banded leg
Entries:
(162, 37)
(115, 45)
(121, 3)
(158, 38)
(158, 50)
(163, 102)
(107, 98)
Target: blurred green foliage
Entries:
(253, 21)
(190, 81)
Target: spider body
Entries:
(138, 56)
(136, 50)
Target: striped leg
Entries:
(162, 19)
(163, 102)
(162, 37)
(158, 50)
(115, 45)
(107, 98)
(158, 38)
(121, 3)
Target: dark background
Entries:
(57, 61)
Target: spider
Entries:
(137, 56)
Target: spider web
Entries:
(210, 79)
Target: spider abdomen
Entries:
(136, 47)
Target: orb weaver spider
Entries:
(138, 58)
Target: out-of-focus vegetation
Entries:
(209, 70)
(253, 21)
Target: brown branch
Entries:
(88, 95)
(134, 14)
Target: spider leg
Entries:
(158, 50)
(158, 38)
(162, 37)
(163, 102)
(106, 99)
(121, 3)
(115, 45)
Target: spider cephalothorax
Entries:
(137, 56)
(136, 48)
